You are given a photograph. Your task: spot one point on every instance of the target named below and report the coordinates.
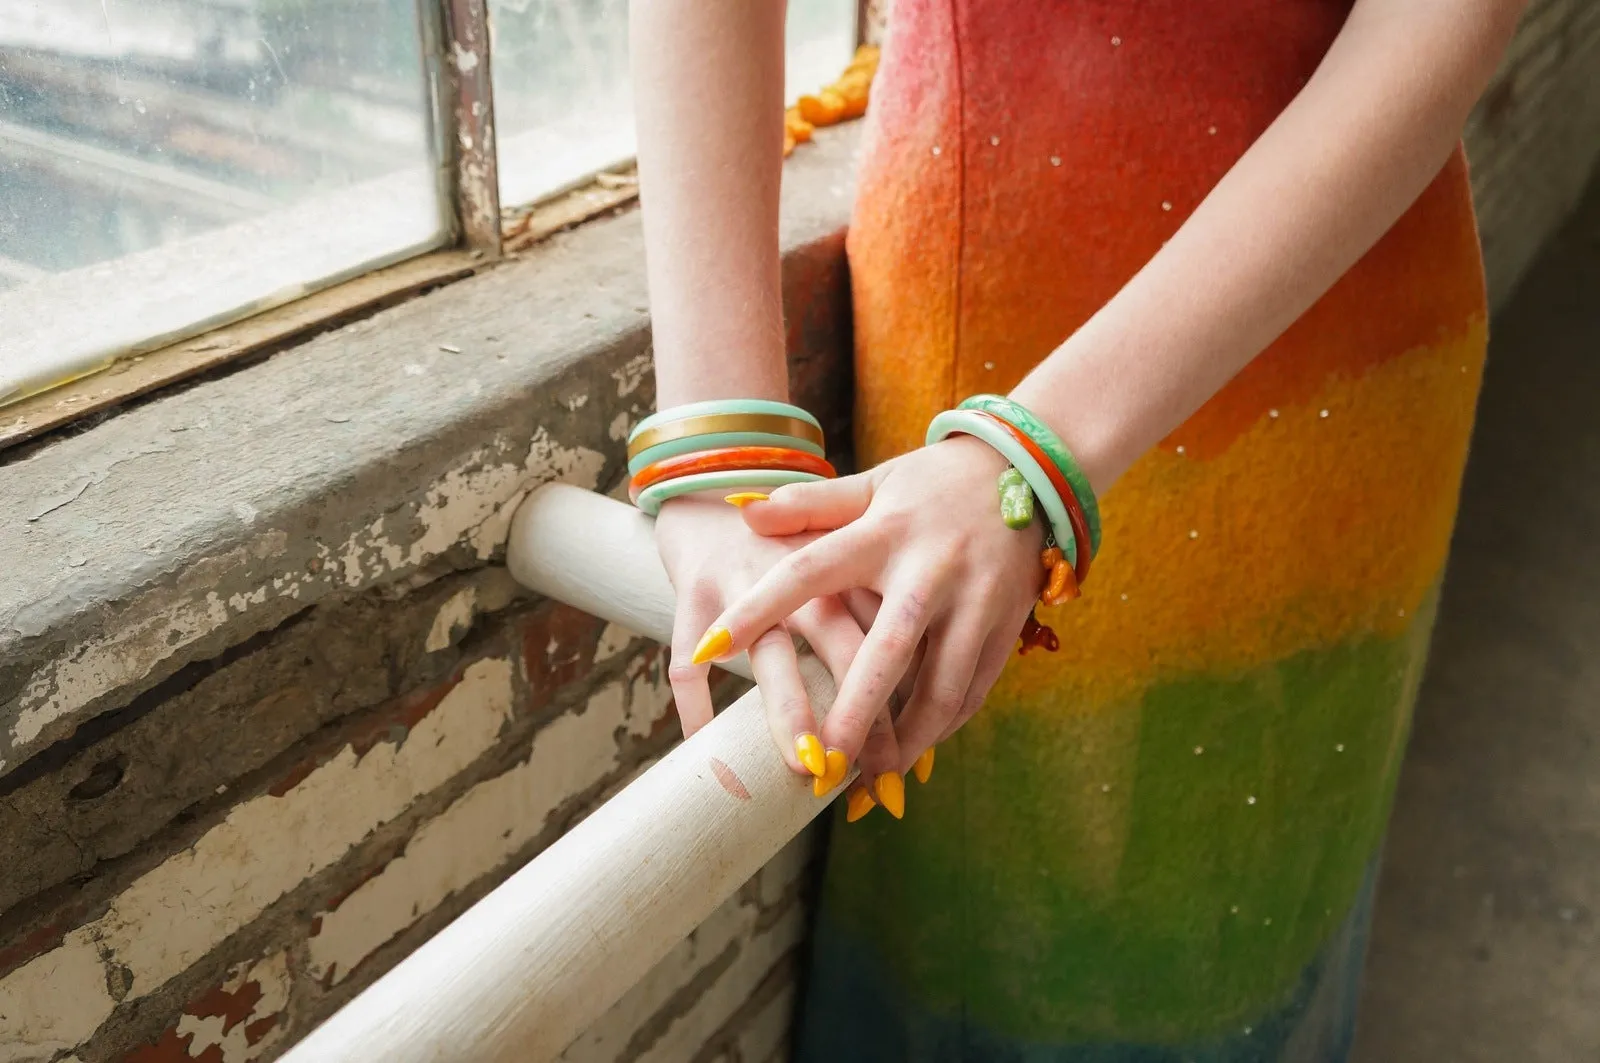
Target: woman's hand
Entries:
(712, 559)
(924, 533)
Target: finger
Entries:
(880, 763)
(884, 658)
(819, 506)
(836, 638)
(824, 567)
(864, 605)
(991, 662)
(691, 686)
(942, 685)
(789, 715)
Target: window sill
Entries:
(371, 456)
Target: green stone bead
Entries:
(1016, 500)
(1018, 415)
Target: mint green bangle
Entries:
(715, 406)
(651, 498)
(950, 422)
(1020, 417)
(672, 448)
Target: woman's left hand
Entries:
(924, 532)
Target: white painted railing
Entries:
(528, 968)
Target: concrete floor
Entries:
(1487, 938)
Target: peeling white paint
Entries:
(455, 615)
(620, 426)
(153, 628)
(271, 977)
(181, 910)
(613, 640)
(54, 1002)
(472, 504)
(466, 59)
(484, 828)
(632, 374)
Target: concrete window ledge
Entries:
(256, 650)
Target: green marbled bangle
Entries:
(969, 423)
(722, 406)
(672, 448)
(652, 497)
(1017, 415)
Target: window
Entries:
(563, 101)
(170, 165)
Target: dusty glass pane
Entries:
(166, 164)
(561, 88)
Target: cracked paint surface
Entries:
(471, 505)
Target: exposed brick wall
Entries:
(343, 835)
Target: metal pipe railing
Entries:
(527, 969)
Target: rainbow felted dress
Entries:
(1159, 843)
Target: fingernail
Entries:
(860, 804)
(891, 790)
(713, 644)
(924, 765)
(838, 768)
(744, 498)
(809, 749)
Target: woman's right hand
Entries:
(712, 559)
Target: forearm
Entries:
(1336, 169)
(708, 89)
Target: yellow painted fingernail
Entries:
(860, 804)
(838, 768)
(809, 749)
(714, 644)
(891, 790)
(744, 498)
(924, 765)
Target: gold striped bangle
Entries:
(706, 424)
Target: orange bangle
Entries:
(1069, 498)
(728, 459)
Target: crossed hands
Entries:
(902, 580)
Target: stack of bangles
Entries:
(723, 445)
(1043, 472)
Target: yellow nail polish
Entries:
(838, 768)
(713, 644)
(744, 498)
(809, 749)
(891, 790)
(860, 804)
(924, 765)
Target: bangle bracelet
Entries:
(1069, 498)
(651, 498)
(766, 407)
(690, 444)
(974, 423)
(730, 459)
(1020, 417)
(709, 423)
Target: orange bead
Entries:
(825, 108)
